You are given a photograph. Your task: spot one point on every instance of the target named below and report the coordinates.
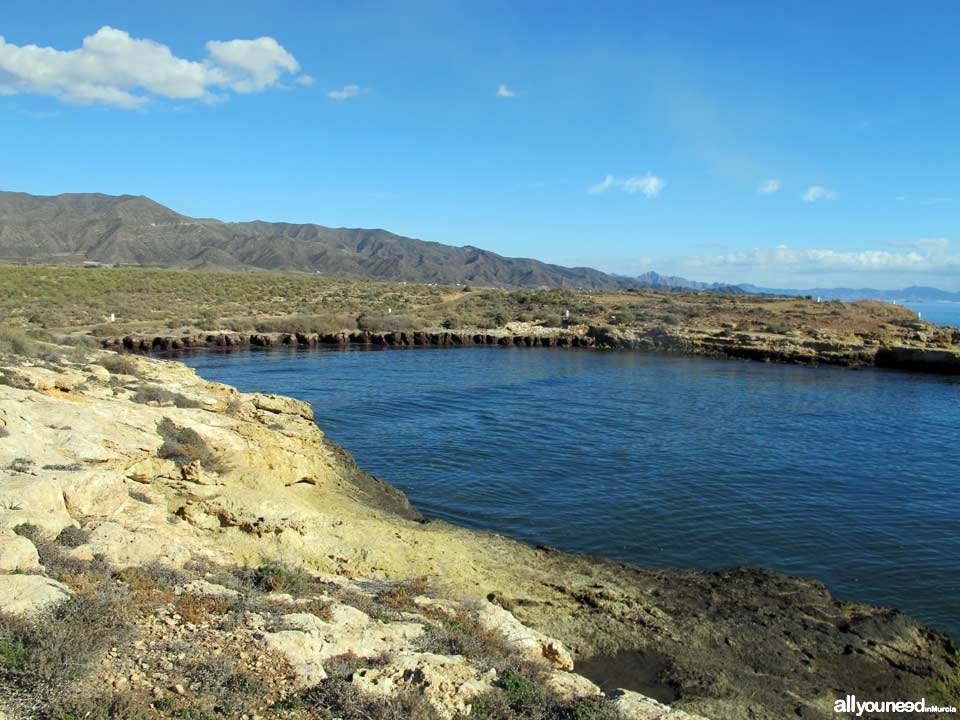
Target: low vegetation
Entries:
(184, 446)
(50, 300)
(51, 666)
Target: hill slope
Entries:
(127, 229)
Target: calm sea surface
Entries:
(852, 477)
(940, 313)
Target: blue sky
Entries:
(624, 136)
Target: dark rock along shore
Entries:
(744, 346)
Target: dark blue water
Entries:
(847, 476)
(940, 313)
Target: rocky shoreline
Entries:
(935, 352)
(145, 462)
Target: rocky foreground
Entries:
(170, 547)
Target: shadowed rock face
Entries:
(264, 482)
(942, 356)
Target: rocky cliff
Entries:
(239, 532)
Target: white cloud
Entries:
(305, 80)
(769, 187)
(252, 65)
(505, 92)
(649, 184)
(113, 68)
(601, 187)
(344, 93)
(818, 192)
(929, 255)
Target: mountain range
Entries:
(914, 293)
(134, 230)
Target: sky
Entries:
(789, 144)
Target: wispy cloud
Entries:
(344, 93)
(601, 187)
(932, 245)
(113, 68)
(940, 200)
(768, 187)
(505, 92)
(923, 256)
(818, 192)
(649, 184)
(305, 80)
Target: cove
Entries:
(846, 476)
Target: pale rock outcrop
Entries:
(26, 498)
(303, 651)
(448, 682)
(207, 589)
(634, 706)
(126, 548)
(17, 554)
(282, 405)
(570, 686)
(93, 492)
(43, 379)
(29, 594)
(533, 643)
(307, 640)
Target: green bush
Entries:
(16, 341)
(275, 576)
(376, 321)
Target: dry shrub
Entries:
(161, 396)
(184, 446)
(119, 365)
(401, 595)
(55, 651)
(199, 609)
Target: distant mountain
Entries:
(672, 282)
(914, 293)
(135, 230)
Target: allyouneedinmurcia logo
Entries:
(850, 705)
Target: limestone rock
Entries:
(28, 498)
(634, 706)
(282, 405)
(17, 554)
(307, 641)
(93, 492)
(570, 686)
(448, 682)
(304, 652)
(99, 372)
(208, 589)
(126, 548)
(29, 594)
(531, 642)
